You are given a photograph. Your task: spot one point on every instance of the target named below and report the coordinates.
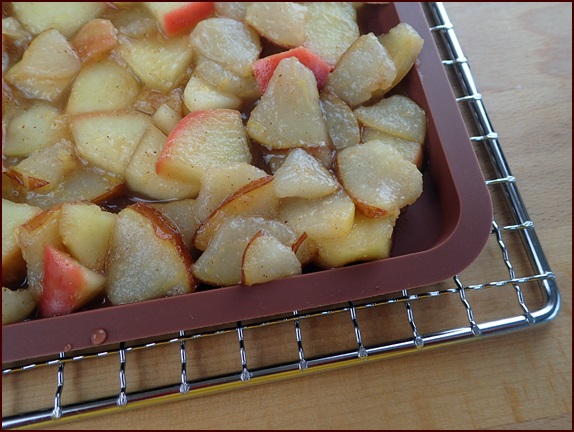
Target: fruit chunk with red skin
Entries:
(178, 17)
(95, 39)
(67, 285)
(264, 68)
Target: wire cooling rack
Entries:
(519, 294)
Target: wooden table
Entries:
(521, 58)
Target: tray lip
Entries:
(473, 200)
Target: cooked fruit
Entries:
(264, 68)
(331, 29)
(166, 118)
(201, 95)
(67, 285)
(410, 150)
(183, 214)
(17, 305)
(342, 124)
(13, 216)
(364, 69)
(302, 175)
(328, 217)
(95, 39)
(235, 10)
(396, 115)
(257, 198)
(86, 231)
(102, 86)
(226, 81)
(47, 67)
(178, 17)
(142, 178)
(147, 258)
(108, 139)
(265, 258)
(289, 113)
(370, 239)
(227, 41)
(378, 178)
(202, 140)
(159, 63)
(283, 23)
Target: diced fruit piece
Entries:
(301, 175)
(378, 178)
(184, 216)
(178, 17)
(43, 229)
(235, 10)
(341, 121)
(102, 86)
(142, 178)
(165, 118)
(158, 62)
(17, 305)
(83, 184)
(67, 18)
(201, 95)
(86, 231)
(220, 264)
(134, 22)
(289, 113)
(331, 29)
(264, 68)
(404, 45)
(227, 41)
(44, 169)
(95, 39)
(254, 199)
(328, 217)
(47, 67)
(37, 127)
(364, 69)
(410, 150)
(13, 216)
(147, 258)
(265, 258)
(202, 140)
(224, 80)
(67, 285)
(283, 23)
(108, 139)
(220, 182)
(370, 239)
(396, 115)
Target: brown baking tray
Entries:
(435, 239)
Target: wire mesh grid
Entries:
(520, 293)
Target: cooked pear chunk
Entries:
(342, 124)
(147, 258)
(302, 175)
(364, 69)
(289, 113)
(378, 178)
(396, 115)
(265, 259)
(369, 240)
(283, 23)
(17, 305)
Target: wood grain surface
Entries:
(521, 58)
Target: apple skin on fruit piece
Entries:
(95, 39)
(178, 17)
(264, 68)
(67, 285)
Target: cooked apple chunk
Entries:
(141, 176)
(166, 118)
(47, 67)
(378, 178)
(226, 81)
(13, 216)
(370, 239)
(147, 258)
(201, 95)
(396, 115)
(283, 23)
(17, 305)
(202, 140)
(95, 39)
(289, 113)
(265, 259)
(302, 175)
(410, 150)
(178, 17)
(183, 213)
(86, 231)
(342, 124)
(364, 69)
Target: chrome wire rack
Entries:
(521, 293)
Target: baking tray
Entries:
(438, 236)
